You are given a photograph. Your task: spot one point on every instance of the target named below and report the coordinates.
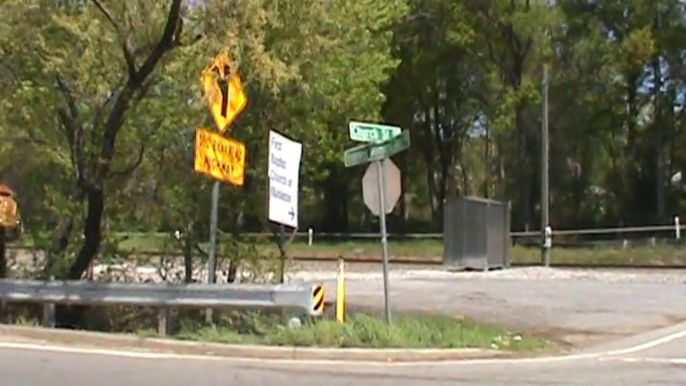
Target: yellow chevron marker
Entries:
(318, 299)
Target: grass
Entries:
(365, 331)
(431, 251)
(324, 249)
(659, 255)
(361, 330)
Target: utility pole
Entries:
(487, 161)
(658, 122)
(546, 243)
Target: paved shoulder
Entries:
(655, 356)
(30, 368)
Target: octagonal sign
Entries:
(370, 186)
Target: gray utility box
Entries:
(476, 233)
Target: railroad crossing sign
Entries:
(376, 151)
(224, 91)
(370, 187)
(219, 157)
(372, 132)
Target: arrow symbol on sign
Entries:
(223, 84)
(292, 213)
(224, 88)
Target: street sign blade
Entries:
(372, 132)
(395, 145)
(357, 155)
(376, 151)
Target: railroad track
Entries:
(430, 262)
(436, 262)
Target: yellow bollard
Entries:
(340, 291)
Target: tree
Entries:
(435, 93)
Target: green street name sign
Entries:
(376, 151)
(372, 132)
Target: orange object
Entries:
(10, 216)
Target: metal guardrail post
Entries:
(163, 321)
(48, 319)
(677, 228)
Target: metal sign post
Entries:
(283, 171)
(381, 186)
(227, 100)
(223, 159)
(214, 220)
(384, 237)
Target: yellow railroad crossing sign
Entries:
(224, 91)
(219, 157)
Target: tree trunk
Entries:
(92, 233)
(335, 197)
(441, 194)
(659, 142)
(60, 242)
(188, 243)
(3, 256)
(73, 317)
(238, 220)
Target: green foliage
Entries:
(463, 76)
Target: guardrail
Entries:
(301, 298)
(677, 228)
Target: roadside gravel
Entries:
(529, 273)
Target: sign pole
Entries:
(384, 237)
(212, 252)
(282, 253)
(545, 184)
(214, 219)
(214, 229)
(382, 142)
(220, 87)
(283, 171)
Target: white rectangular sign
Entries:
(283, 171)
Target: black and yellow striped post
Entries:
(318, 299)
(340, 291)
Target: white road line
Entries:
(673, 361)
(94, 351)
(648, 345)
(466, 362)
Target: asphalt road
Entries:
(579, 308)
(575, 306)
(643, 362)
